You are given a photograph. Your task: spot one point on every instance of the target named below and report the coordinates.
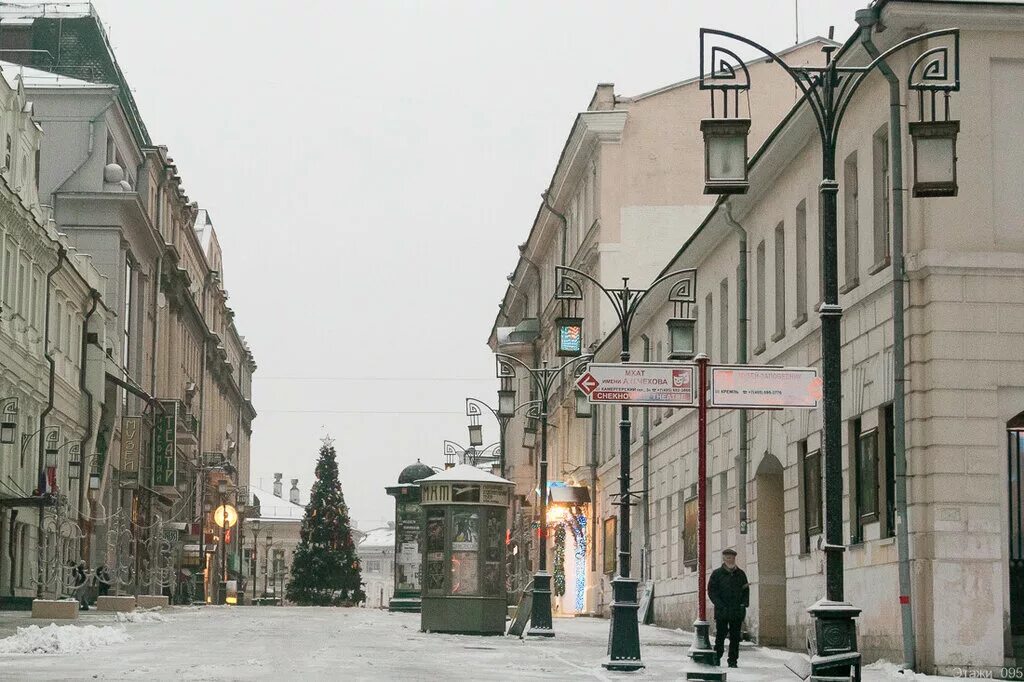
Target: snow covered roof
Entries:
(464, 473)
(379, 537)
(37, 78)
(274, 508)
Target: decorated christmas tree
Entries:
(325, 568)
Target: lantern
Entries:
(582, 405)
(530, 435)
(74, 469)
(570, 336)
(7, 431)
(725, 155)
(94, 480)
(934, 157)
(681, 335)
(476, 435)
(506, 403)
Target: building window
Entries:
(780, 282)
(760, 298)
(865, 448)
(801, 264)
(811, 484)
(709, 331)
(881, 198)
(723, 321)
(851, 227)
(889, 457)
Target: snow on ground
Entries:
(291, 643)
(140, 617)
(61, 639)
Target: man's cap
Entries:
(729, 550)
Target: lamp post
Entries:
(827, 92)
(255, 523)
(266, 561)
(507, 409)
(624, 638)
(222, 490)
(543, 379)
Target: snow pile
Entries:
(140, 617)
(891, 671)
(61, 639)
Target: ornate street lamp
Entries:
(569, 333)
(506, 402)
(94, 480)
(583, 409)
(624, 637)
(476, 435)
(530, 434)
(934, 157)
(681, 344)
(725, 155)
(543, 379)
(827, 92)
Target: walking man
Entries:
(730, 593)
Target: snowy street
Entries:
(260, 643)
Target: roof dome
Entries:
(415, 472)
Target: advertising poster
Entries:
(690, 532)
(465, 531)
(465, 579)
(435, 533)
(409, 558)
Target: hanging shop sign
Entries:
(763, 388)
(640, 383)
(131, 428)
(165, 471)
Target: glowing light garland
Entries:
(579, 534)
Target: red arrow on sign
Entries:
(587, 383)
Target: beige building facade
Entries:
(964, 268)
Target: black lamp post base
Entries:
(832, 639)
(705, 661)
(540, 616)
(624, 638)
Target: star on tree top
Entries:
(327, 440)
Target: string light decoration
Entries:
(559, 575)
(579, 534)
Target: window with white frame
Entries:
(851, 223)
(780, 282)
(760, 292)
(881, 198)
(801, 263)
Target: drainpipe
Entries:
(545, 197)
(868, 18)
(40, 534)
(741, 358)
(83, 476)
(646, 435)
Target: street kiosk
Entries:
(408, 534)
(465, 512)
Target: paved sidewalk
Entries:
(275, 643)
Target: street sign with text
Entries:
(640, 383)
(763, 388)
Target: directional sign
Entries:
(763, 388)
(640, 383)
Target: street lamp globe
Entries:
(681, 333)
(7, 430)
(476, 435)
(725, 155)
(934, 157)
(506, 403)
(582, 405)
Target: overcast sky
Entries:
(370, 168)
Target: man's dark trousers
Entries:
(730, 628)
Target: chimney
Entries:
(293, 494)
(277, 485)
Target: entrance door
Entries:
(771, 554)
(1015, 522)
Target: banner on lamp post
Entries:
(165, 471)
